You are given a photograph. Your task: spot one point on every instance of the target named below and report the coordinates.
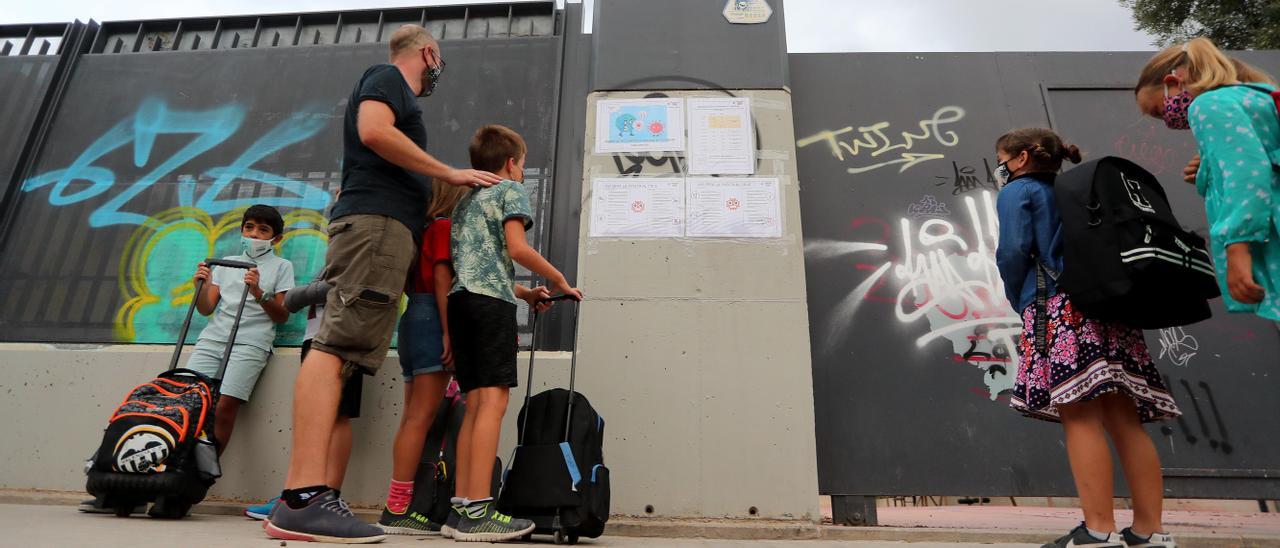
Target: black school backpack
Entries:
(435, 480)
(553, 477)
(1126, 259)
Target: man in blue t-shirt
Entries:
(385, 170)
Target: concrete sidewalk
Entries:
(61, 526)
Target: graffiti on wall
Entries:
(944, 282)
(1178, 346)
(160, 256)
(867, 146)
(202, 131)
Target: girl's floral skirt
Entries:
(1085, 359)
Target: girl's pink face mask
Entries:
(1175, 109)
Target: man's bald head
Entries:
(410, 38)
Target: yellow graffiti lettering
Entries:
(875, 141)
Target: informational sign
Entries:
(640, 125)
(733, 207)
(720, 136)
(637, 207)
(747, 12)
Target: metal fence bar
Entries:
(257, 31)
(26, 42)
(137, 39)
(177, 37)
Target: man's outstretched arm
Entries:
(376, 125)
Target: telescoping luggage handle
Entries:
(573, 367)
(186, 323)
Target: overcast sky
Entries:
(812, 25)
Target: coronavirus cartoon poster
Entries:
(640, 125)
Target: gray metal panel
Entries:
(322, 28)
(23, 84)
(67, 274)
(685, 44)
(565, 211)
(903, 388)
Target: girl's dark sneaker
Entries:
(406, 523)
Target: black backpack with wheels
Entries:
(159, 446)
(435, 480)
(1126, 259)
(557, 477)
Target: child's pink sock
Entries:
(399, 496)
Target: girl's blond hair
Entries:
(444, 197)
(1207, 67)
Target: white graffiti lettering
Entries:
(948, 276)
(1178, 346)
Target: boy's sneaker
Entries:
(406, 523)
(325, 519)
(1080, 537)
(451, 522)
(261, 511)
(91, 507)
(490, 526)
(1157, 540)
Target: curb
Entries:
(726, 529)
(713, 529)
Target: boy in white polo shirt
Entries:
(260, 229)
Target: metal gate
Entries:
(148, 139)
(913, 342)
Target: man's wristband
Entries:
(264, 298)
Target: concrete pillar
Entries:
(696, 352)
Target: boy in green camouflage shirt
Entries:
(488, 234)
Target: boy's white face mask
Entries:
(254, 247)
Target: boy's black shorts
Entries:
(352, 389)
(483, 332)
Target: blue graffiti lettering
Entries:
(211, 128)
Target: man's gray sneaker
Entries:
(1080, 537)
(451, 522)
(325, 519)
(484, 523)
(1156, 540)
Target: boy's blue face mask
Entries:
(255, 248)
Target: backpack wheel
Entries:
(528, 537)
(573, 538)
(169, 508)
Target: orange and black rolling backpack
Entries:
(159, 447)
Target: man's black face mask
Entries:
(430, 77)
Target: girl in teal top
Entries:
(1228, 106)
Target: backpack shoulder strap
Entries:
(1255, 87)
(1041, 334)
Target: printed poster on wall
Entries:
(640, 125)
(637, 207)
(733, 207)
(721, 137)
